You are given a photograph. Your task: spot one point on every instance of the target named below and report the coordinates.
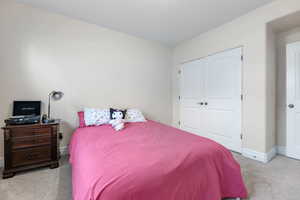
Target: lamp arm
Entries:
(60, 94)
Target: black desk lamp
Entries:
(56, 96)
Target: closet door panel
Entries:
(223, 76)
(219, 122)
(194, 120)
(192, 84)
(219, 78)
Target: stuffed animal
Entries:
(117, 124)
(117, 119)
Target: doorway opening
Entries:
(283, 55)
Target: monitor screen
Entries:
(27, 108)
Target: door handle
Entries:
(291, 106)
(200, 103)
(206, 103)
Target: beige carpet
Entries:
(277, 180)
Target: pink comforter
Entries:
(151, 161)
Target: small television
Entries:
(27, 108)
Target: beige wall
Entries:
(93, 66)
(249, 31)
(97, 67)
(271, 89)
(283, 39)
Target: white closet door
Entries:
(293, 100)
(223, 98)
(216, 112)
(191, 95)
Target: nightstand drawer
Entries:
(42, 131)
(25, 142)
(30, 156)
(43, 140)
(22, 142)
(21, 132)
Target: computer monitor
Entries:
(25, 108)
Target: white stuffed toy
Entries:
(117, 124)
(117, 119)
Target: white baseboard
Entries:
(63, 151)
(259, 156)
(271, 154)
(281, 150)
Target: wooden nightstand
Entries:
(30, 146)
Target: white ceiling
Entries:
(166, 21)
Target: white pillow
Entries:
(134, 115)
(96, 116)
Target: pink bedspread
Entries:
(151, 161)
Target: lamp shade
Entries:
(56, 95)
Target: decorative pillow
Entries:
(134, 115)
(117, 114)
(81, 119)
(96, 116)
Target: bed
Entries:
(151, 161)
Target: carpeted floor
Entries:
(277, 180)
